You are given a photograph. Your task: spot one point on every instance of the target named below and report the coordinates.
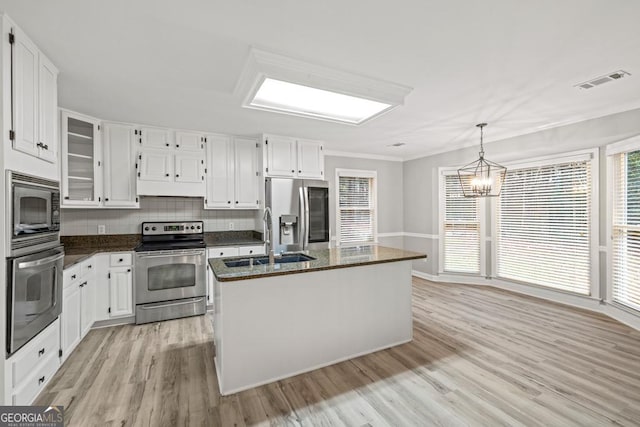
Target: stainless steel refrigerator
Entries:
(299, 213)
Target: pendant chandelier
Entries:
(482, 178)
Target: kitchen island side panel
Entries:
(276, 327)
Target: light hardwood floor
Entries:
(480, 356)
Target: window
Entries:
(460, 228)
(625, 229)
(544, 227)
(356, 206)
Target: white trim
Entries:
(396, 234)
(554, 159)
(422, 235)
(623, 146)
(336, 153)
(579, 301)
(618, 109)
(603, 248)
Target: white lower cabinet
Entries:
(29, 370)
(78, 304)
(226, 252)
(120, 291)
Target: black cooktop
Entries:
(166, 236)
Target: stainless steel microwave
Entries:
(33, 213)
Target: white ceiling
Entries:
(510, 63)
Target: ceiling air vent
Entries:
(616, 75)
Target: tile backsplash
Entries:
(127, 221)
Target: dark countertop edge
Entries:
(310, 269)
(75, 252)
(239, 243)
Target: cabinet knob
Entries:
(221, 253)
(177, 176)
(167, 144)
(292, 171)
(236, 202)
(229, 202)
(106, 199)
(40, 352)
(177, 145)
(120, 260)
(250, 252)
(73, 276)
(128, 270)
(41, 380)
(166, 174)
(299, 171)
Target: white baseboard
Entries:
(584, 302)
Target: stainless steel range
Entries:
(170, 272)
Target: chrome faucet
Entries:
(268, 227)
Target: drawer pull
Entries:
(221, 253)
(120, 260)
(41, 380)
(73, 276)
(40, 352)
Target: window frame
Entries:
(611, 150)
(482, 219)
(591, 155)
(357, 173)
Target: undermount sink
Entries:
(264, 260)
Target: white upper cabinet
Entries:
(220, 172)
(310, 159)
(189, 168)
(35, 99)
(155, 166)
(246, 173)
(293, 158)
(149, 137)
(48, 104)
(232, 173)
(81, 161)
(281, 156)
(119, 143)
(189, 141)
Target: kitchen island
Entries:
(276, 321)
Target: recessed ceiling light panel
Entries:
(308, 101)
(281, 84)
(616, 75)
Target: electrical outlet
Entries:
(102, 229)
(231, 226)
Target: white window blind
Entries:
(461, 229)
(626, 229)
(544, 226)
(356, 208)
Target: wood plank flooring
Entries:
(480, 357)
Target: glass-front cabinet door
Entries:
(81, 180)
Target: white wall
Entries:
(127, 221)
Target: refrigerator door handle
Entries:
(307, 226)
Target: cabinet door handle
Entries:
(128, 270)
(166, 174)
(229, 202)
(167, 144)
(236, 202)
(221, 253)
(177, 145)
(73, 276)
(89, 266)
(82, 285)
(250, 252)
(121, 259)
(292, 171)
(106, 199)
(177, 176)
(41, 380)
(41, 352)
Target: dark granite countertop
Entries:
(80, 248)
(326, 259)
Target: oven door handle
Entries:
(170, 255)
(173, 304)
(40, 261)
